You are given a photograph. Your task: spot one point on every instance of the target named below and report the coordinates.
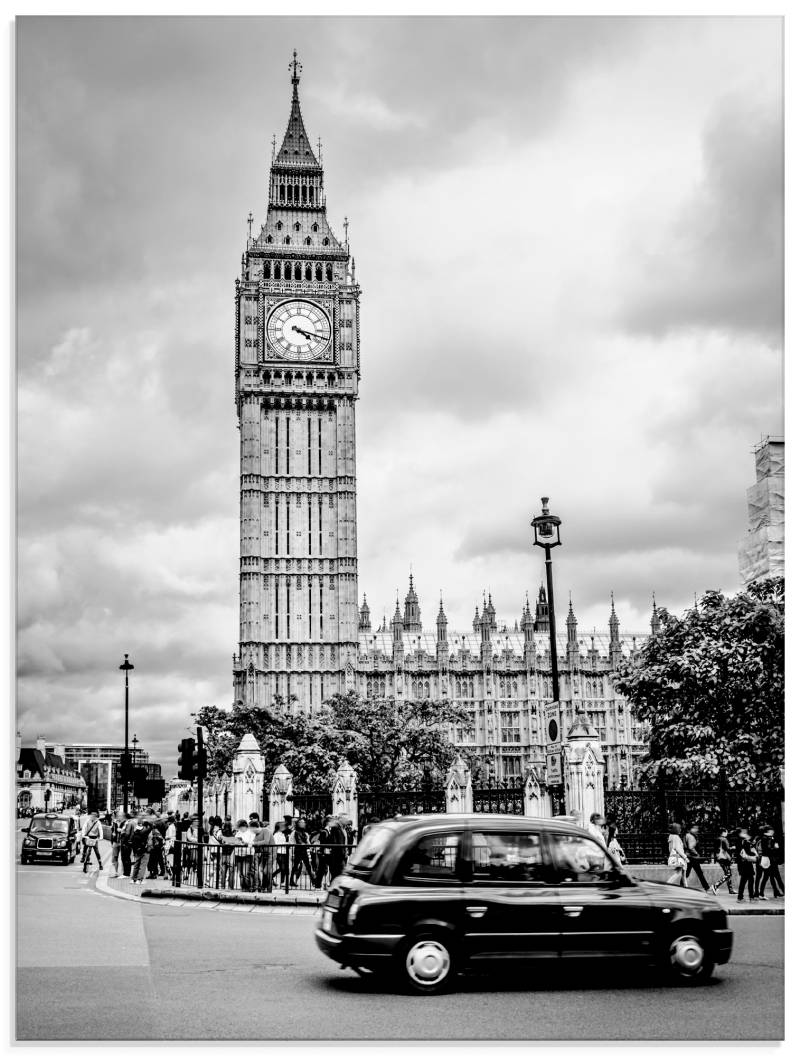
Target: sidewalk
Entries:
(163, 890)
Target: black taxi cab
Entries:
(427, 897)
(50, 838)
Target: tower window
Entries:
(282, 193)
(298, 273)
(269, 238)
(329, 272)
(287, 270)
(318, 272)
(308, 240)
(304, 192)
(287, 240)
(315, 227)
(279, 225)
(297, 227)
(308, 273)
(326, 241)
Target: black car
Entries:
(50, 838)
(429, 896)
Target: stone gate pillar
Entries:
(247, 779)
(536, 802)
(458, 788)
(280, 795)
(344, 794)
(583, 771)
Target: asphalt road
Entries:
(91, 966)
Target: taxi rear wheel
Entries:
(427, 962)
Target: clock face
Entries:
(298, 330)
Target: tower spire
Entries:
(294, 66)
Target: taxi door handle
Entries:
(573, 911)
(476, 911)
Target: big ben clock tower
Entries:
(297, 369)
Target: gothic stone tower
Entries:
(297, 370)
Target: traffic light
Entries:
(186, 759)
(193, 761)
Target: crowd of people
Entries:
(757, 860)
(250, 855)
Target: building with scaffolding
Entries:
(761, 552)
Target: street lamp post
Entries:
(134, 742)
(547, 534)
(126, 666)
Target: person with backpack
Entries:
(770, 859)
(126, 832)
(746, 863)
(676, 856)
(723, 858)
(155, 853)
(91, 836)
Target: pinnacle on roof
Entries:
(411, 596)
(296, 148)
(441, 616)
(490, 608)
(571, 618)
(364, 605)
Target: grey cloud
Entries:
(721, 267)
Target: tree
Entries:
(711, 687)
(390, 744)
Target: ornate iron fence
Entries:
(229, 867)
(502, 797)
(383, 805)
(643, 816)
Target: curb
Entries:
(224, 897)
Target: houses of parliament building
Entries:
(303, 635)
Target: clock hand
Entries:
(305, 333)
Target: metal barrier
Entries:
(259, 867)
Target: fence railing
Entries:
(267, 868)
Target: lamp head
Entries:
(546, 527)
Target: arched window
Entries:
(287, 270)
(308, 240)
(304, 194)
(329, 272)
(298, 272)
(296, 226)
(318, 272)
(282, 193)
(315, 227)
(269, 238)
(279, 226)
(287, 240)
(326, 241)
(308, 273)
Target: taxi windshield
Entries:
(49, 825)
(370, 848)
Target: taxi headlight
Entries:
(28, 842)
(352, 912)
(61, 843)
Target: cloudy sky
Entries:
(569, 235)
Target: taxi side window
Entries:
(579, 860)
(434, 857)
(507, 857)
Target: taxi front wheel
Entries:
(427, 962)
(687, 959)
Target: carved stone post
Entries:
(344, 794)
(280, 795)
(458, 788)
(247, 779)
(583, 770)
(536, 802)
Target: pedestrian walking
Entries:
(746, 865)
(723, 858)
(770, 860)
(155, 853)
(324, 842)
(299, 841)
(90, 836)
(614, 847)
(281, 853)
(693, 856)
(263, 858)
(676, 856)
(227, 840)
(125, 847)
(117, 825)
(595, 827)
(139, 850)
